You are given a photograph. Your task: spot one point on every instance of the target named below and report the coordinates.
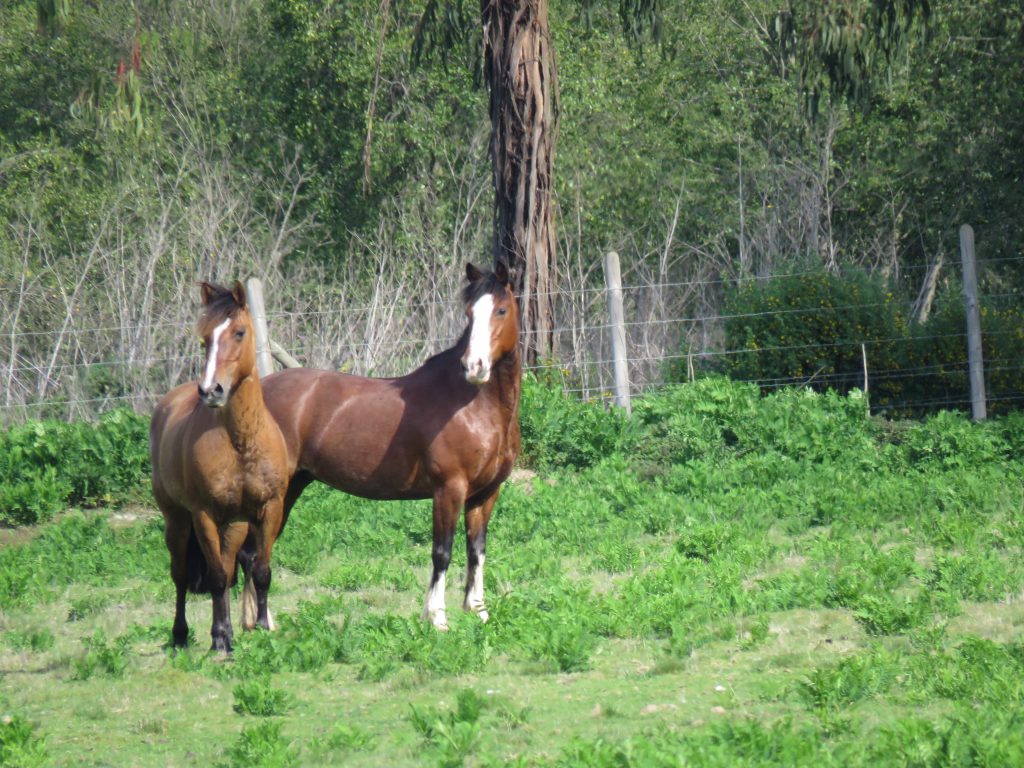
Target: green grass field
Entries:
(739, 581)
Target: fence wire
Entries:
(56, 372)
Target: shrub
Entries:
(940, 346)
(949, 441)
(563, 431)
(809, 329)
(46, 465)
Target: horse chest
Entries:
(491, 446)
(238, 482)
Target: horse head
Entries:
(493, 321)
(226, 331)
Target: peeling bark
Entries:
(520, 73)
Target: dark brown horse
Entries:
(448, 431)
(220, 468)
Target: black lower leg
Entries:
(221, 629)
(179, 632)
(261, 580)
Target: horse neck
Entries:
(246, 415)
(507, 380)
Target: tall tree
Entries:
(520, 73)
(838, 47)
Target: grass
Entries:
(738, 609)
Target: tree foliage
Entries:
(684, 141)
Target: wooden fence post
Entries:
(254, 293)
(974, 356)
(613, 280)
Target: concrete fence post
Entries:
(254, 293)
(974, 356)
(613, 281)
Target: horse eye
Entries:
(502, 312)
(240, 334)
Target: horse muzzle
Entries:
(477, 371)
(213, 397)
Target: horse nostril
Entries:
(218, 390)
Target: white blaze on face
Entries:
(211, 356)
(478, 356)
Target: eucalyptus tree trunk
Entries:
(520, 73)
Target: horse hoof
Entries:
(437, 619)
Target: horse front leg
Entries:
(477, 518)
(208, 534)
(448, 500)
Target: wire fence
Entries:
(77, 370)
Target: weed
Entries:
(304, 642)
(34, 640)
(616, 556)
(974, 576)
(87, 606)
(256, 697)
(349, 738)
(755, 633)
(261, 746)
(109, 658)
(355, 576)
(454, 735)
(850, 680)
(383, 644)
(886, 614)
(20, 747)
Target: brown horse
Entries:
(220, 468)
(448, 431)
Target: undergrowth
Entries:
(710, 525)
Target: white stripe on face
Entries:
(478, 356)
(211, 357)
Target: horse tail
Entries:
(198, 569)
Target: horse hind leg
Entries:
(477, 518)
(249, 601)
(177, 533)
(263, 534)
(447, 502)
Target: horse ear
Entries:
(472, 273)
(208, 292)
(238, 293)
(501, 272)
